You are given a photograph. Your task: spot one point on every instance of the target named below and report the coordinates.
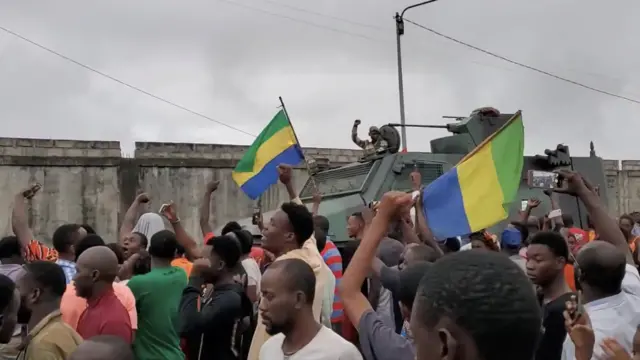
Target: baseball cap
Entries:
(511, 237)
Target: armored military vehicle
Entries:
(347, 189)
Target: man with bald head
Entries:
(97, 268)
(103, 347)
(611, 294)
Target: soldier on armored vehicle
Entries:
(377, 145)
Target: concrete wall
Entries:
(90, 182)
(623, 185)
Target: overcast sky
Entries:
(231, 59)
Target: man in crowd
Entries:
(11, 257)
(288, 291)
(157, 295)
(511, 241)
(378, 338)
(72, 306)
(288, 235)
(41, 289)
(105, 314)
(64, 240)
(547, 256)
(447, 322)
(332, 257)
(211, 328)
(251, 267)
(607, 276)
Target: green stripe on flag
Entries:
(507, 149)
(278, 122)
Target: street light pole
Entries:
(399, 32)
(403, 129)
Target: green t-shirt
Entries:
(158, 295)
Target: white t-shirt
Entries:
(616, 316)
(327, 299)
(254, 276)
(327, 345)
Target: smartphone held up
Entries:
(542, 179)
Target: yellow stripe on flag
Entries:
(481, 190)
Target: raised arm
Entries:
(607, 227)
(355, 303)
(19, 221)
(182, 236)
(317, 199)
(205, 206)
(131, 216)
(285, 173)
(354, 135)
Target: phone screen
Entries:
(543, 179)
(523, 205)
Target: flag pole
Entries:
(284, 109)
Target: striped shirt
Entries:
(38, 251)
(333, 259)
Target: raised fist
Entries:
(357, 122)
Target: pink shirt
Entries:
(72, 306)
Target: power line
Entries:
(379, 28)
(291, 18)
(523, 65)
(328, 16)
(87, 67)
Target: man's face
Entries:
(29, 296)
(374, 135)
(277, 232)
(478, 245)
(626, 226)
(131, 244)
(278, 304)
(354, 225)
(542, 265)
(84, 279)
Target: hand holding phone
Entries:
(574, 309)
(542, 179)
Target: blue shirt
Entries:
(69, 268)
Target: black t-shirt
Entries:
(554, 332)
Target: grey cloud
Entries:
(230, 61)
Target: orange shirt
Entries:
(37, 251)
(72, 306)
(184, 264)
(569, 276)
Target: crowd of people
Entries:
(542, 289)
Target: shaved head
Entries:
(103, 347)
(602, 267)
(101, 259)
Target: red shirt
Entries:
(105, 316)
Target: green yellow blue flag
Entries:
(475, 194)
(258, 168)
